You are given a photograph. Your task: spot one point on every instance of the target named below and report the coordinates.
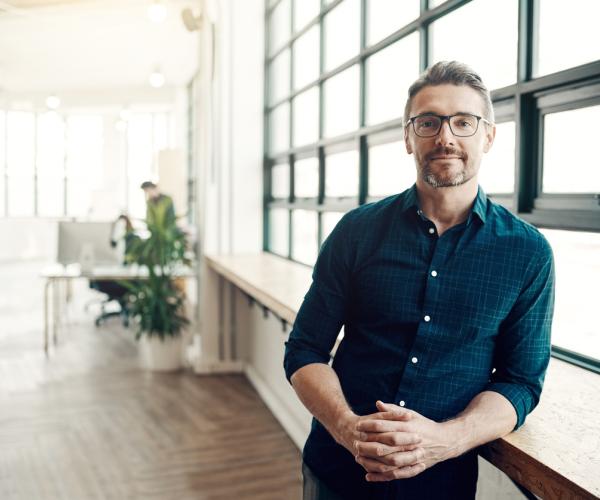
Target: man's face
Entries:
(445, 160)
(151, 193)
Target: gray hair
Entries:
(454, 73)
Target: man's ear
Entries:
(489, 137)
(406, 143)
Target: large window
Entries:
(338, 72)
(55, 165)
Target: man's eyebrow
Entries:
(427, 113)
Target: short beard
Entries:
(436, 181)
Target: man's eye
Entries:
(426, 124)
(463, 123)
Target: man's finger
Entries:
(372, 465)
(400, 459)
(401, 473)
(382, 425)
(400, 441)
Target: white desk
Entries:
(57, 273)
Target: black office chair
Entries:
(114, 292)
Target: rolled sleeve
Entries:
(323, 310)
(523, 349)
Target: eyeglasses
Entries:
(461, 124)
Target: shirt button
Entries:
(427, 318)
(431, 230)
(401, 403)
(434, 273)
(414, 360)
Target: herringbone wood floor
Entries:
(86, 423)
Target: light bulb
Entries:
(52, 102)
(157, 12)
(157, 79)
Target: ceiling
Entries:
(60, 45)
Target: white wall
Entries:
(231, 127)
(27, 238)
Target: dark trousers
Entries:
(315, 489)
(455, 479)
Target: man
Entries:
(155, 199)
(446, 301)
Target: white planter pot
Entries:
(159, 355)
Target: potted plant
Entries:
(156, 302)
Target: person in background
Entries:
(155, 198)
(122, 234)
(446, 299)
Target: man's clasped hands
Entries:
(395, 442)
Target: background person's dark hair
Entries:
(454, 73)
(147, 184)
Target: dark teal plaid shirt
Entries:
(429, 321)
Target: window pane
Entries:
(51, 144)
(279, 226)
(279, 26)
(2, 159)
(20, 195)
(341, 174)
(304, 12)
(139, 146)
(579, 40)
(50, 197)
(388, 81)
(280, 77)
(342, 33)
(462, 36)
(328, 221)
(386, 16)
(280, 181)
(497, 173)
(391, 169)
(20, 144)
(306, 117)
(304, 236)
(341, 102)
(85, 160)
(306, 58)
(161, 132)
(280, 128)
(140, 165)
(306, 178)
(567, 138)
(577, 278)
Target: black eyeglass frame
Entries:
(444, 118)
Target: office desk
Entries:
(57, 274)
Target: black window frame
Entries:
(525, 102)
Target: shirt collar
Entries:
(410, 201)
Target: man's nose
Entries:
(445, 135)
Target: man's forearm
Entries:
(488, 416)
(319, 389)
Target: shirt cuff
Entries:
(517, 395)
(297, 357)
